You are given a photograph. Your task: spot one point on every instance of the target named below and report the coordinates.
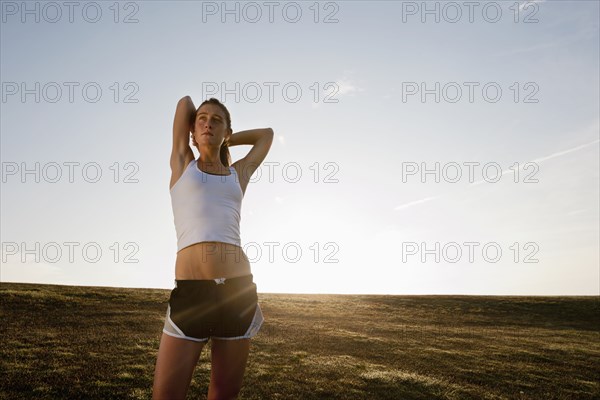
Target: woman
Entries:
(214, 295)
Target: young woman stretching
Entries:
(214, 295)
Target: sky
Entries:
(420, 147)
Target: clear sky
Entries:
(501, 97)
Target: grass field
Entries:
(101, 343)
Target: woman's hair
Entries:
(224, 151)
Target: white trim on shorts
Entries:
(173, 330)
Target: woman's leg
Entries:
(228, 359)
(175, 365)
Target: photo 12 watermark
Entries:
(471, 252)
(452, 12)
(288, 92)
(70, 252)
(287, 172)
(470, 171)
(252, 12)
(469, 92)
(54, 12)
(69, 92)
(276, 252)
(294, 172)
(69, 172)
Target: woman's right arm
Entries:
(181, 153)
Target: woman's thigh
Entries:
(228, 363)
(175, 365)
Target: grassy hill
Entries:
(101, 343)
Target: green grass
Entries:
(101, 343)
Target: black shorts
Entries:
(223, 308)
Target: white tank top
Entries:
(206, 207)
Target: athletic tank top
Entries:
(206, 207)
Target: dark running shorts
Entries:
(223, 308)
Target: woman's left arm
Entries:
(261, 139)
(251, 136)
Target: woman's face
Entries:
(210, 126)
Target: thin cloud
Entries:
(542, 159)
(537, 160)
(524, 4)
(413, 203)
(562, 153)
(344, 86)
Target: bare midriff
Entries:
(211, 260)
